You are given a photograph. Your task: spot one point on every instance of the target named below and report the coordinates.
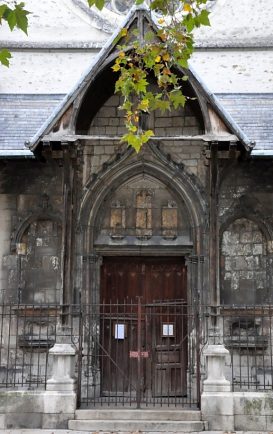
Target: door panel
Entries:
(161, 284)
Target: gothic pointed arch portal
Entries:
(139, 207)
(141, 222)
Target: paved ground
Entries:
(67, 431)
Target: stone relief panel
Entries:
(117, 220)
(244, 277)
(144, 214)
(169, 220)
(143, 211)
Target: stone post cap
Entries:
(62, 350)
(215, 350)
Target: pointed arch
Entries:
(185, 187)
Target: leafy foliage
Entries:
(154, 58)
(145, 59)
(16, 17)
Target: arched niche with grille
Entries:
(244, 275)
(39, 262)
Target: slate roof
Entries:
(21, 116)
(254, 114)
(141, 14)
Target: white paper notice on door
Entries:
(119, 331)
(167, 330)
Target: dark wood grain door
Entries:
(161, 284)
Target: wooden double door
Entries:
(143, 327)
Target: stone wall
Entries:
(244, 264)
(109, 121)
(31, 226)
(246, 232)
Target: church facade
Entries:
(142, 264)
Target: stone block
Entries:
(253, 403)
(194, 156)
(101, 122)
(220, 423)
(99, 150)
(107, 112)
(121, 130)
(269, 422)
(8, 202)
(217, 403)
(178, 121)
(190, 131)
(114, 122)
(56, 421)
(190, 162)
(246, 237)
(270, 246)
(160, 131)
(111, 130)
(2, 421)
(21, 401)
(257, 249)
(240, 263)
(113, 101)
(191, 121)
(193, 170)
(24, 420)
(253, 423)
(109, 150)
(59, 402)
(95, 161)
(163, 122)
(10, 262)
(97, 130)
(172, 131)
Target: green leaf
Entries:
(11, 19)
(183, 62)
(21, 17)
(16, 17)
(2, 10)
(141, 85)
(177, 98)
(204, 18)
(91, 2)
(100, 4)
(137, 140)
(162, 105)
(5, 56)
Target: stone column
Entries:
(217, 399)
(60, 397)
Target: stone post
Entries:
(62, 379)
(217, 399)
(60, 397)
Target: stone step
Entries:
(136, 425)
(143, 414)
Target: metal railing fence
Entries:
(247, 334)
(130, 353)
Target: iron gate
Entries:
(136, 354)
